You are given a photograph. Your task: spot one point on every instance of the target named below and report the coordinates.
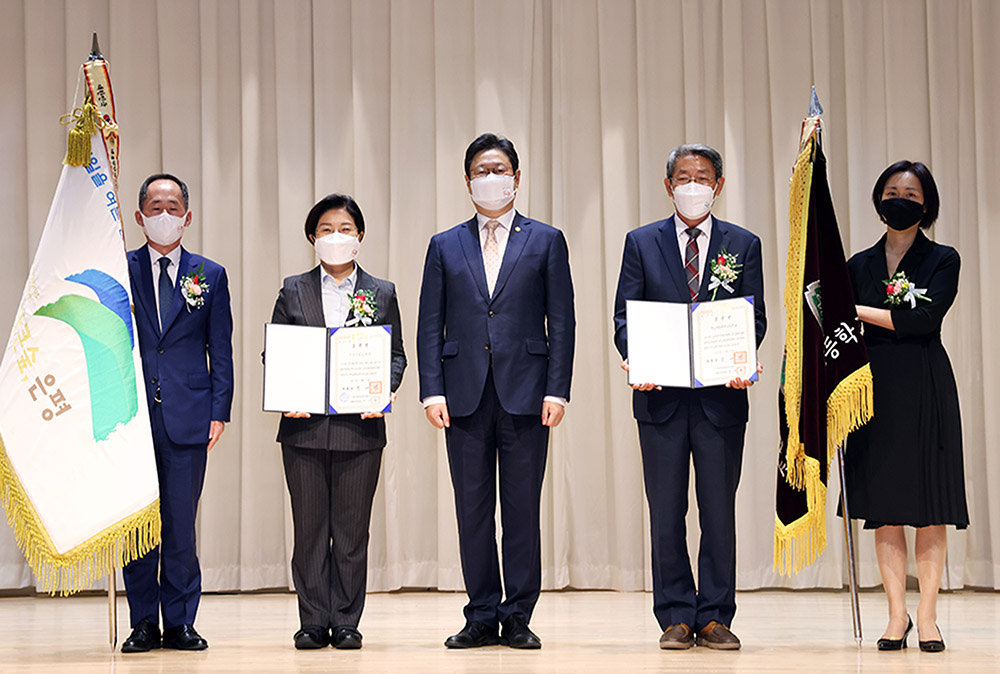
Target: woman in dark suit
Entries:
(332, 462)
(904, 468)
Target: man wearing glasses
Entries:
(670, 261)
(495, 339)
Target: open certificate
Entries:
(691, 345)
(327, 370)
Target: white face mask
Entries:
(693, 200)
(163, 228)
(336, 248)
(493, 192)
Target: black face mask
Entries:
(900, 213)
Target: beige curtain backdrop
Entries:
(263, 106)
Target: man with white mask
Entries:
(691, 257)
(495, 341)
(185, 325)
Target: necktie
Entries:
(691, 265)
(491, 255)
(166, 291)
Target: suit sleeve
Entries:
(560, 318)
(926, 317)
(430, 324)
(631, 286)
(753, 279)
(398, 354)
(220, 349)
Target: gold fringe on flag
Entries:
(77, 569)
(798, 214)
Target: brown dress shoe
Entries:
(716, 635)
(677, 637)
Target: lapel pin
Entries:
(517, 229)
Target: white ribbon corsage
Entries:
(900, 289)
(725, 271)
(194, 287)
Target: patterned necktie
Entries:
(166, 291)
(691, 265)
(491, 255)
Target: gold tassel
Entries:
(87, 120)
(77, 569)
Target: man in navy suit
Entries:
(665, 261)
(185, 339)
(495, 340)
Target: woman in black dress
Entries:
(904, 468)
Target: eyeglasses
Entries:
(499, 170)
(701, 180)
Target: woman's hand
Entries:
(297, 415)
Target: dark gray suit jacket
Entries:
(300, 302)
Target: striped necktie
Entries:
(691, 262)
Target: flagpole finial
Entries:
(95, 50)
(815, 108)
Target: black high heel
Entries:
(933, 645)
(898, 644)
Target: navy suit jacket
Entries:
(300, 302)
(527, 328)
(191, 361)
(652, 270)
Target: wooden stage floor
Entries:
(580, 631)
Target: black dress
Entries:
(905, 465)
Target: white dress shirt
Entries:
(705, 226)
(502, 233)
(175, 260)
(337, 297)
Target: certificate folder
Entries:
(691, 345)
(323, 370)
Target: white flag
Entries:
(77, 471)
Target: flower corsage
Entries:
(725, 271)
(900, 289)
(363, 308)
(194, 287)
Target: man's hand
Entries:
(215, 429)
(297, 415)
(552, 413)
(641, 387)
(437, 414)
(379, 415)
(744, 383)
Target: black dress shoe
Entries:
(311, 637)
(896, 644)
(933, 645)
(473, 635)
(183, 638)
(517, 635)
(346, 638)
(145, 637)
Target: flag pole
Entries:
(852, 565)
(112, 610)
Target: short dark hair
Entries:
(490, 141)
(711, 154)
(932, 200)
(329, 203)
(163, 176)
